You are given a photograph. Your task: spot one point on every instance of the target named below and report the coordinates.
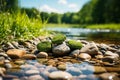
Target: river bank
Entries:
(111, 26)
(22, 60)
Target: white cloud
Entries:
(73, 5)
(62, 2)
(49, 9)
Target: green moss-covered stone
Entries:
(58, 39)
(44, 46)
(73, 44)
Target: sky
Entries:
(58, 6)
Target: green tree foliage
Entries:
(9, 5)
(31, 12)
(54, 18)
(100, 11)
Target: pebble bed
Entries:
(34, 66)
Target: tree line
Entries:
(93, 12)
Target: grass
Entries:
(18, 25)
(104, 26)
(94, 26)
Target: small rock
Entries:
(35, 77)
(15, 44)
(10, 77)
(29, 57)
(61, 67)
(99, 56)
(19, 62)
(98, 69)
(110, 59)
(74, 53)
(60, 75)
(2, 71)
(42, 55)
(15, 53)
(109, 76)
(84, 56)
(109, 53)
(106, 47)
(32, 72)
(61, 50)
(90, 49)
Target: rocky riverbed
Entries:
(58, 58)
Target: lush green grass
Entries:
(18, 25)
(104, 26)
(94, 26)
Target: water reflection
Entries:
(105, 35)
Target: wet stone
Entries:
(60, 75)
(2, 71)
(109, 53)
(110, 59)
(35, 77)
(19, 62)
(90, 48)
(29, 57)
(109, 76)
(61, 50)
(15, 53)
(31, 72)
(61, 67)
(84, 56)
(10, 77)
(74, 53)
(42, 55)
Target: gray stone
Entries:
(90, 49)
(106, 47)
(3, 54)
(15, 44)
(74, 53)
(60, 75)
(61, 50)
(110, 59)
(109, 53)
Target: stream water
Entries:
(104, 35)
(40, 68)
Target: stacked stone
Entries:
(73, 59)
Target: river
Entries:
(104, 35)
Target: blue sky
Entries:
(58, 6)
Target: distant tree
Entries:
(9, 5)
(31, 12)
(112, 11)
(54, 18)
(44, 16)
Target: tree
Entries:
(9, 5)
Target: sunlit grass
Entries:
(104, 26)
(18, 25)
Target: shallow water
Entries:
(103, 35)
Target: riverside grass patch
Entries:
(15, 26)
